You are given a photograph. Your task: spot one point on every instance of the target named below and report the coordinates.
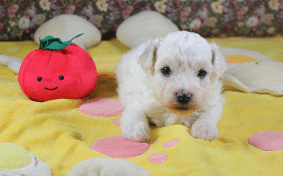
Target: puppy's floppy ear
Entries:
(218, 60)
(147, 54)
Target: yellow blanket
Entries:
(61, 136)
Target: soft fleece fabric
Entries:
(61, 136)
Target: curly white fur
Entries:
(150, 95)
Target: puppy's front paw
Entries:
(205, 131)
(139, 131)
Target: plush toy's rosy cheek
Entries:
(43, 86)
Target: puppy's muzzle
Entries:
(183, 98)
(183, 104)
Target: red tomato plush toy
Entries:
(57, 70)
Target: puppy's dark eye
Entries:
(202, 73)
(166, 71)
(61, 77)
(39, 78)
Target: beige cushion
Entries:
(68, 26)
(144, 26)
(262, 76)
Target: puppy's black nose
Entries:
(183, 98)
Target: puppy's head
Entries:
(183, 67)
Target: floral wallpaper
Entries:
(219, 18)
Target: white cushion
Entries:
(144, 26)
(262, 76)
(68, 26)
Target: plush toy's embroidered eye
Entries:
(61, 77)
(39, 78)
(166, 71)
(202, 73)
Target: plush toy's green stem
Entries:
(50, 42)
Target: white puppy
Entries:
(171, 80)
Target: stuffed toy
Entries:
(57, 70)
(46, 68)
(15, 160)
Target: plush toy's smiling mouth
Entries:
(50, 89)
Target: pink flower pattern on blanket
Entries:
(102, 107)
(117, 146)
